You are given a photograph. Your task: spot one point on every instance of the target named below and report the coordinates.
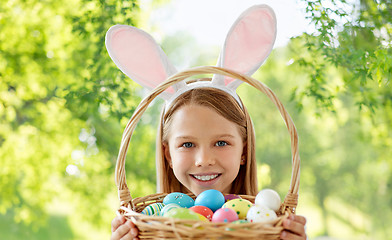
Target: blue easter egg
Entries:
(213, 199)
(179, 198)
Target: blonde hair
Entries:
(225, 105)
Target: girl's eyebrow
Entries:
(224, 136)
(184, 137)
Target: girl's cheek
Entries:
(182, 157)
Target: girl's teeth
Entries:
(206, 177)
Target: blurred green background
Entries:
(64, 105)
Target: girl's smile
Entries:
(205, 177)
(204, 149)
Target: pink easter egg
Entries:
(205, 211)
(225, 215)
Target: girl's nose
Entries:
(204, 157)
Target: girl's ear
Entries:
(244, 155)
(166, 151)
(137, 55)
(243, 160)
(249, 42)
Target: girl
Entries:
(206, 141)
(206, 137)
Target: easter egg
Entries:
(182, 213)
(153, 209)
(240, 221)
(229, 197)
(260, 213)
(213, 199)
(268, 198)
(179, 198)
(240, 206)
(205, 211)
(202, 218)
(225, 215)
(169, 207)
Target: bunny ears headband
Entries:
(249, 42)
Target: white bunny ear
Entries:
(137, 55)
(248, 43)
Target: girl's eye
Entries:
(220, 143)
(187, 145)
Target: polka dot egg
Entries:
(153, 209)
(259, 213)
(240, 206)
(224, 215)
(237, 222)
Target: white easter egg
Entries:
(168, 207)
(260, 214)
(268, 198)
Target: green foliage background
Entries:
(64, 104)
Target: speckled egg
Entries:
(205, 211)
(239, 221)
(224, 215)
(213, 199)
(269, 198)
(229, 197)
(258, 213)
(240, 206)
(179, 198)
(169, 207)
(182, 213)
(153, 209)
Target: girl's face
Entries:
(204, 149)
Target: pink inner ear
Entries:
(139, 57)
(250, 42)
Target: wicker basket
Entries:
(153, 227)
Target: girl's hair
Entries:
(225, 105)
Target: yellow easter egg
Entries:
(202, 218)
(240, 206)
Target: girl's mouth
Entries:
(206, 177)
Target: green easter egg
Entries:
(182, 213)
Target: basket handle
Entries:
(290, 201)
